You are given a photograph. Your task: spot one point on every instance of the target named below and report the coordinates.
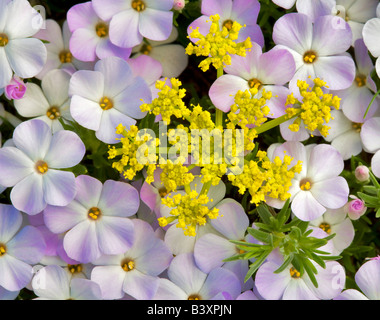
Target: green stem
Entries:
(206, 188)
(274, 123)
(219, 113)
(370, 104)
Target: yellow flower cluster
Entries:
(264, 178)
(213, 172)
(133, 158)
(200, 119)
(315, 108)
(189, 210)
(218, 44)
(169, 101)
(175, 175)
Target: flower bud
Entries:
(15, 89)
(362, 173)
(178, 5)
(355, 209)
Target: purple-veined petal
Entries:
(221, 7)
(58, 187)
(106, 48)
(368, 279)
(110, 280)
(331, 193)
(83, 43)
(86, 112)
(167, 290)
(125, 20)
(11, 220)
(155, 24)
(15, 274)
(106, 10)
(52, 282)
(81, 15)
(83, 289)
(88, 85)
(139, 285)
(306, 207)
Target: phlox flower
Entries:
(269, 71)
(109, 95)
(318, 186)
(370, 134)
(318, 49)
(368, 280)
(96, 221)
(245, 12)
(33, 166)
(371, 31)
(210, 250)
(19, 53)
(50, 102)
(313, 5)
(151, 19)
(57, 43)
(358, 96)
(135, 271)
(90, 37)
(187, 282)
(8, 295)
(171, 56)
(19, 249)
(247, 295)
(15, 89)
(53, 283)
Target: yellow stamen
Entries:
(128, 265)
(309, 57)
(106, 103)
(53, 113)
(294, 273)
(101, 30)
(357, 126)
(305, 185)
(41, 167)
(194, 297)
(94, 213)
(325, 227)
(3, 249)
(360, 80)
(146, 49)
(75, 268)
(65, 56)
(3, 40)
(255, 83)
(138, 5)
(228, 24)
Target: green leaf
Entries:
(378, 213)
(369, 200)
(264, 213)
(254, 266)
(285, 264)
(262, 236)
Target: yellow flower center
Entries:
(101, 30)
(146, 49)
(163, 192)
(106, 103)
(294, 273)
(75, 268)
(41, 167)
(309, 57)
(3, 40)
(228, 24)
(94, 213)
(3, 249)
(357, 126)
(194, 297)
(65, 56)
(254, 83)
(325, 227)
(305, 184)
(128, 265)
(53, 113)
(138, 5)
(360, 80)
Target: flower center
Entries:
(3, 40)
(294, 273)
(228, 24)
(163, 192)
(101, 30)
(357, 126)
(138, 5)
(194, 297)
(53, 113)
(127, 265)
(65, 56)
(146, 49)
(41, 167)
(94, 213)
(254, 83)
(325, 227)
(3, 249)
(106, 103)
(305, 184)
(309, 57)
(360, 80)
(75, 268)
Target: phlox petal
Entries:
(139, 285)
(368, 279)
(110, 280)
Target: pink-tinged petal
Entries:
(51, 33)
(52, 282)
(87, 84)
(286, 4)
(81, 15)
(306, 207)
(59, 187)
(125, 20)
(221, 7)
(314, 9)
(294, 30)
(223, 90)
(66, 150)
(375, 164)
(167, 290)
(106, 10)
(110, 280)
(150, 196)
(15, 274)
(331, 193)
(351, 294)
(5, 70)
(172, 58)
(83, 43)
(277, 104)
(28, 245)
(132, 97)
(139, 285)
(11, 220)
(155, 24)
(81, 242)
(371, 36)
(27, 195)
(246, 12)
(370, 134)
(115, 234)
(247, 295)
(271, 286)
(106, 48)
(89, 190)
(362, 58)
(368, 279)
(253, 32)
(61, 219)
(26, 57)
(14, 166)
(146, 67)
(298, 290)
(203, 24)
(83, 289)
(295, 150)
(332, 163)
(210, 250)
(81, 108)
(33, 103)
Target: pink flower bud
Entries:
(362, 173)
(355, 209)
(15, 89)
(178, 4)
(375, 258)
